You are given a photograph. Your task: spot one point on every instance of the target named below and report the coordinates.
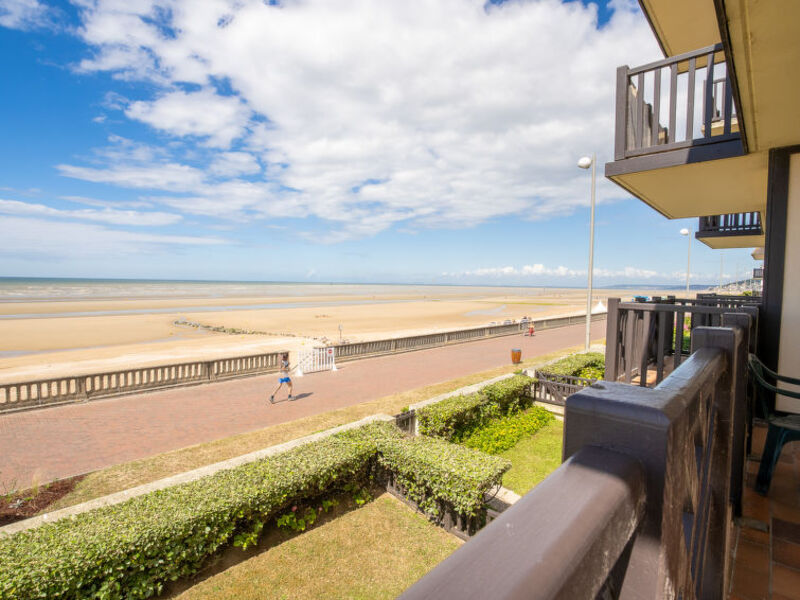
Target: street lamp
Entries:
(686, 232)
(584, 163)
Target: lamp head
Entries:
(684, 231)
(585, 162)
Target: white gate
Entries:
(316, 359)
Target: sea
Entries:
(25, 289)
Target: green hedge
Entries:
(432, 471)
(504, 433)
(587, 364)
(130, 550)
(455, 417)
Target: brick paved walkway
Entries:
(58, 442)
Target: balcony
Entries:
(678, 146)
(647, 503)
(642, 506)
(697, 108)
(736, 230)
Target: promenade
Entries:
(53, 443)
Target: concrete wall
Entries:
(789, 357)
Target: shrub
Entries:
(432, 471)
(502, 434)
(575, 364)
(130, 550)
(453, 417)
(592, 372)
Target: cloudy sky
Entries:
(323, 140)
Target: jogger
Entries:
(283, 378)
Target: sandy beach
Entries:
(48, 336)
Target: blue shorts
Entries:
(284, 380)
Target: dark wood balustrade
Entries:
(646, 340)
(642, 506)
(682, 101)
(747, 223)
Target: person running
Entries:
(284, 377)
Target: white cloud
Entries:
(59, 239)
(107, 203)
(218, 119)
(23, 14)
(539, 270)
(106, 215)
(371, 115)
(524, 271)
(167, 176)
(232, 164)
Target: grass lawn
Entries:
(376, 551)
(126, 475)
(533, 458)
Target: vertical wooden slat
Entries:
(630, 330)
(661, 338)
(673, 100)
(690, 100)
(656, 107)
(678, 339)
(645, 347)
(728, 114)
(639, 110)
(612, 340)
(709, 110)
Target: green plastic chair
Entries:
(782, 428)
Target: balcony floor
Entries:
(767, 539)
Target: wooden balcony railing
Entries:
(645, 340)
(748, 223)
(642, 505)
(679, 102)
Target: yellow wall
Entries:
(789, 357)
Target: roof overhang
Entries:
(682, 25)
(697, 189)
(721, 242)
(761, 42)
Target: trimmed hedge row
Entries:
(502, 434)
(432, 471)
(130, 550)
(455, 417)
(575, 364)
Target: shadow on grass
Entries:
(273, 536)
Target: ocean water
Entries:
(18, 289)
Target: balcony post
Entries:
(682, 542)
(741, 422)
(612, 340)
(621, 133)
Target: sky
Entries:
(424, 141)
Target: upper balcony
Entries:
(737, 230)
(683, 102)
(675, 120)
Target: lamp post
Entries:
(687, 233)
(584, 163)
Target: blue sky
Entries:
(426, 141)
